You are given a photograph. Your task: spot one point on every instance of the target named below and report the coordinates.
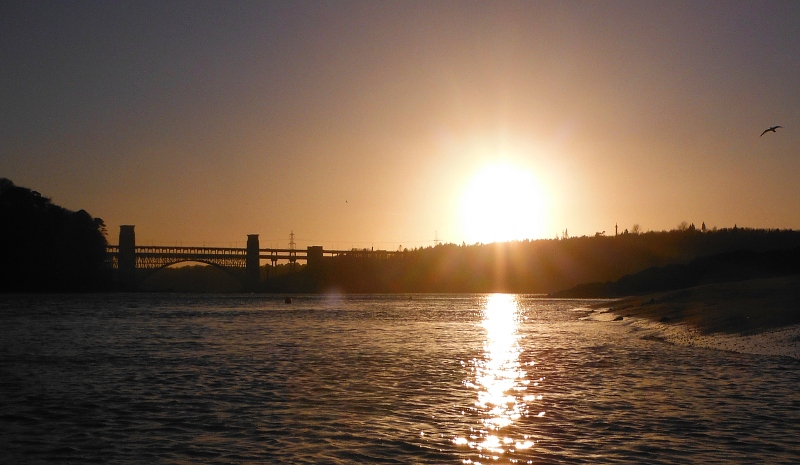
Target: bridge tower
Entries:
(127, 257)
(314, 259)
(252, 262)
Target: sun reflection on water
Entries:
(501, 383)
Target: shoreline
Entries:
(756, 317)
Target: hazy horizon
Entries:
(359, 124)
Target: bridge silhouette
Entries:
(244, 263)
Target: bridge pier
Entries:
(127, 258)
(314, 259)
(252, 262)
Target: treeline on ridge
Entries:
(540, 266)
(47, 248)
(198, 278)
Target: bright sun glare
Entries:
(503, 202)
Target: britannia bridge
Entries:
(126, 257)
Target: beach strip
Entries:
(756, 317)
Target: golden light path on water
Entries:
(500, 382)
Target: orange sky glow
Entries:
(388, 124)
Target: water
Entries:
(373, 379)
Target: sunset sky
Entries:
(380, 124)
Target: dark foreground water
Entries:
(373, 379)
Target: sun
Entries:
(502, 202)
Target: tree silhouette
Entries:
(46, 247)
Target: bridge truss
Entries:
(156, 257)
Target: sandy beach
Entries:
(758, 316)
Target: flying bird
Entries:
(773, 129)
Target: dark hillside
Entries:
(727, 267)
(45, 247)
(541, 266)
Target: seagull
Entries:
(773, 129)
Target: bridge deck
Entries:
(232, 257)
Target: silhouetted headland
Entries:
(47, 248)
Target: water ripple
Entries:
(373, 379)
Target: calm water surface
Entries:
(476, 379)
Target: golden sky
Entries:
(380, 124)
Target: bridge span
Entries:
(126, 257)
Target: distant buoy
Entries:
(288, 300)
